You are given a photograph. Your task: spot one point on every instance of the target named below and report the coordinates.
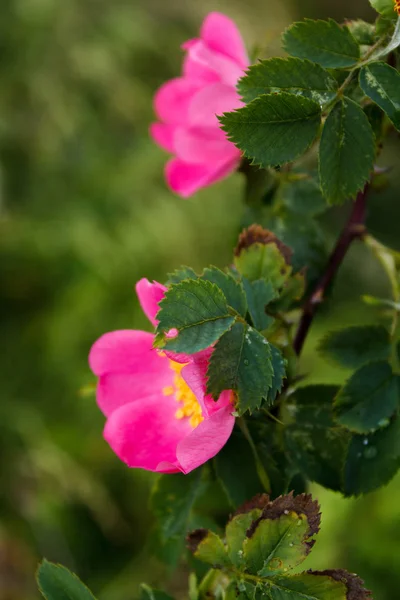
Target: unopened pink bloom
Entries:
(159, 417)
(187, 107)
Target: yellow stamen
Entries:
(190, 408)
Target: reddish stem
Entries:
(354, 229)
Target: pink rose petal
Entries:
(221, 34)
(206, 440)
(150, 295)
(146, 433)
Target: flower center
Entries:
(189, 406)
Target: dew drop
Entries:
(246, 362)
(365, 441)
(291, 544)
(286, 512)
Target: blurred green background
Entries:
(84, 213)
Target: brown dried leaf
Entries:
(353, 583)
(259, 501)
(255, 234)
(303, 504)
(195, 538)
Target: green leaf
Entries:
(147, 593)
(259, 294)
(263, 261)
(308, 586)
(368, 399)
(303, 196)
(237, 527)
(347, 152)
(316, 446)
(273, 129)
(236, 471)
(208, 547)
(181, 274)
(381, 83)
(198, 310)
(372, 460)
(172, 500)
(282, 537)
(353, 347)
(292, 75)
(231, 288)
(323, 42)
(241, 362)
(384, 7)
(57, 583)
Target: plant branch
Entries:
(354, 229)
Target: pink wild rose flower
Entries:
(187, 107)
(159, 417)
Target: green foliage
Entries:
(263, 541)
(292, 75)
(372, 460)
(368, 399)
(241, 362)
(275, 128)
(259, 294)
(147, 593)
(316, 445)
(172, 501)
(323, 42)
(305, 238)
(198, 310)
(57, 583)
(347, 152)
(302, 195)
(381, 83)
(355, 346)
(235, 462)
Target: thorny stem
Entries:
(354, 229)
